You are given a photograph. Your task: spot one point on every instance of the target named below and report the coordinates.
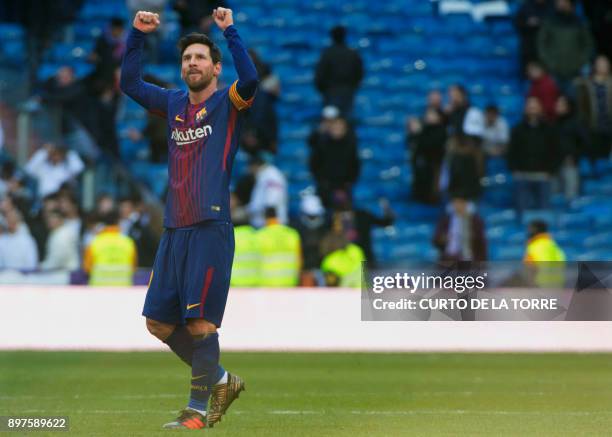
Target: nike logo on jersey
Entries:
(191, 135)
(177, 118)
(193, 305)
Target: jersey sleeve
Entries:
(243, 90)
(149, 96)
(237, 100)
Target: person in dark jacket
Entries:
(339, 73)
(334, 162)
(427, 142)
(528, 21)
(564, 43)
(594, 105)
(460, 235)
(572, 142)
(463, 168)
(533, 156)
(260, 130)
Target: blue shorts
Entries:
(191, 274)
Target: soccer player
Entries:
(188, 289)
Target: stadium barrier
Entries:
(300, 319)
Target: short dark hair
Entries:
(200, 38)
(338, 34)
(117, 22)
(539, 226)
(111, 217)
(270, 212)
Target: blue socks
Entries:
(181, 343)
(205, 370)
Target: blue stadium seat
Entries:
(575, 221)
(507, 252)
(598, 241)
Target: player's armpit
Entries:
(237, 100)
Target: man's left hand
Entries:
(223, 17)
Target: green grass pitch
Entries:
(321, 394)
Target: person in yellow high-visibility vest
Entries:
(111, 257)
(246, 264)
(342, 267)
(544, 258)
(280, 253)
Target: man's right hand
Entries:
(146, 22)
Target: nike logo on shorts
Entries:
(193, 305)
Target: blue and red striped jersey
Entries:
(202, 139)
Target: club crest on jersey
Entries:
(200, 114)
(182, 137)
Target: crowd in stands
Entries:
(567, 116)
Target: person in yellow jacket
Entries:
(246, 264)
(111, 257)
(280, 253)
(342, 267)
(543, 256)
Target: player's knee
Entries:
(199, 327)
(159, 329)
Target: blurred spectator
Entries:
(331, 143)
(528, 21)
(496, 133)
(108, 51)
(155, 130)
(69, 206)
(572, 142)
(463, 118)
(65, 95)
(104, 103)
(463, 168)
(246, 264)
(342, 260)
(356, 224)
(533, 156)
(152, 41)
(427, 141)
(270, 190)
(260, 130)
(280, 253)
(12, 184)
(565, 44)
(38, 223)
(111, 257)
(435, 100)
(544, 88)
(134, 222)
(460, 233)
(53, 165)
(17, 247)
(196, 15)
(339, 73)
(599, 13)
(543, 257)
(312, 227)
(62, 251)
(594, 104)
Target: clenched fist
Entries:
(146, 22)
(223, 17)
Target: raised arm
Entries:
(247, 73)
(151, 97)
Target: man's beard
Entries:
(199, 85)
